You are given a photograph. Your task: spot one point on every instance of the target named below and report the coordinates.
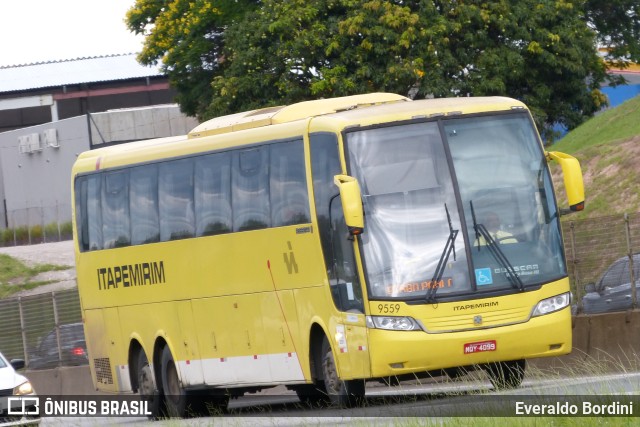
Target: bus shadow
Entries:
(288, 405)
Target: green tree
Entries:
(617, 23)
(227, 56)
(187, 38)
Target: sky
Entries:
(52, 30)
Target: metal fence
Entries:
(38, 224)
(45, 329)
(596, 246)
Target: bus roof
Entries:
(335, 113)
(289, 113)
(424, 108)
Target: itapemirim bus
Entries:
(322, 244)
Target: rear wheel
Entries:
(174, 395)
(147, 386)
(506, 375)
(342, 393)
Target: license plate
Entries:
(476, 347)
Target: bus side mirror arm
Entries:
(573, 183)
(351, 199)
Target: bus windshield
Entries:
(499, 233)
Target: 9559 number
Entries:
(388, 308)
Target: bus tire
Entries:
(343, 393)
(147, 388)
(506, 375)
(175, 396)
(311, 395)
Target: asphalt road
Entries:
(590, 396)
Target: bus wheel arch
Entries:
(314, 394)
(143, 379)
(175, 397)
(135, 348)
(343, 393)
(316, 337)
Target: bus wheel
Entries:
(147, 386)
(311, 395)
(174, 395)
(342, 393)
(506, 375)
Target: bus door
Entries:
(346, 290)
(347, 331)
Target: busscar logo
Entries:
(475, 306)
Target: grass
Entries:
(616, 124)
(608, 148)
(16, 276)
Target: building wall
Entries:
(36, 186)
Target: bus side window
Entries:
(177, 218)
(89, 212)
(82, 220)
(94, 212)
(288, 184)
(143, 197)
(116, 230)
(213, 194)
(250, 189)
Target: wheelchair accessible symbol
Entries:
(483, 276)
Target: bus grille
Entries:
(103, 370)
(477, 320)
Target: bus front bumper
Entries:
(403, 352)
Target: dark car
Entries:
(72, 352)
(612, 292)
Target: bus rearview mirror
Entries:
(351, 203)
(573, 183)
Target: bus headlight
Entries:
(393, 323)
(552, 304)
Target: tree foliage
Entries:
(230, 56)
(187, 38)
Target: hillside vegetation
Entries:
(608, 148)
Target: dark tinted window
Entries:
(94, 212)
(288, 184)
(614, 275)
(144, 204)
(250, 188)
(325, 164)
(115, 210)
(177, 219)
(213, 194)
(237, 190)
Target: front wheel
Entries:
(506, 375)
(342, 393)
(311, 395)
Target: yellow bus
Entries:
(322, 244)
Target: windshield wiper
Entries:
(449, 247)
(495, 250)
